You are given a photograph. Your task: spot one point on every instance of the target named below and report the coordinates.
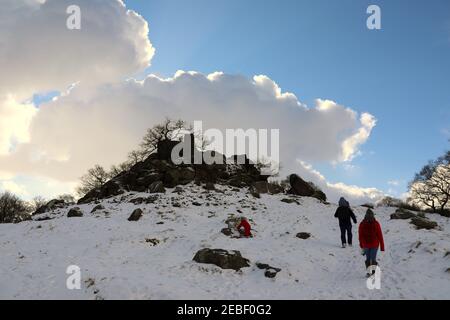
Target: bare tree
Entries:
(431, 186)
(168, 130)
(94, 178)
(67, 198)
(38, 202)
(13, 209)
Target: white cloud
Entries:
(15, 120)
(38, 53)
(355, 194)
(13, 187)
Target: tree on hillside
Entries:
(13, 209)
(38, 202)
(94, 178)
(168, 130)
(431, 186)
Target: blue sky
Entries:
(322, 49)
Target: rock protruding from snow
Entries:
(402, 214)
(423, 223)
(302, 188)
(303, 235)
(270, 272)
(222, 258)
(136, 215)
(75, 213)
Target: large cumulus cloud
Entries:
(38, 53)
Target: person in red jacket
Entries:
(370, 238)
(244, 228)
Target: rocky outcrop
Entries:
(423, 223)
(222, 258)
(75, 212)
(402, 214)
(51, 205)
(158, 172)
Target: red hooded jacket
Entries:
(244, 224)
(370, 235)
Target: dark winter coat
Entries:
(344, 214)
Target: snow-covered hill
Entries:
(120, 259)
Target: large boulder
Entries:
(300, 187)
(75, 212)
(222, 258)
(423, 223)
(402, 214)
(136, 215)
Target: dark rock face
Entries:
(402, 214)
(423, 223)
(222, 258)
(302, 188)
(136, 215)
(74, 212)
(158, 172)
(303, 235)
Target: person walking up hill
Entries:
(345, 215)
(370, 238)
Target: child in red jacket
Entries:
(244, 228)
(370, 238)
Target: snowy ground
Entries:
(117, 263)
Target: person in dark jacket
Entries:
(345, 215)
(370, 238)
